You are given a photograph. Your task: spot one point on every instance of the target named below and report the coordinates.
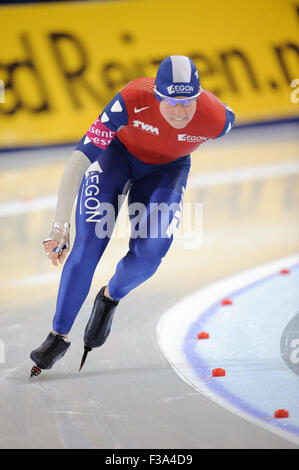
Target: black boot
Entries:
(52, 349)
(99, 324)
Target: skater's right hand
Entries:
(56, 245)
(53, 255)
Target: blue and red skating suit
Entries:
(134, 116)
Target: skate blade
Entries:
(86, 351)
(35, 371)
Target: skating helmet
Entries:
(177, 75)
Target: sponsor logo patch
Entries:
(99, 135)
(191, 138)
(146, 127)
(180, 89)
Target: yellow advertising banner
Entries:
(60, 64)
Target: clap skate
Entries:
(99, 323)
(52, 349)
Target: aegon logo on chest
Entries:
(146, 127)
(191, 138)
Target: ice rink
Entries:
(135, 392)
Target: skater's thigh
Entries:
(102, 190)
(163, 185)
(159, 198)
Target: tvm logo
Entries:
(146, 127)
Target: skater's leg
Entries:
(161, 193)
(76, 280)
(100, 190)
(145, 252)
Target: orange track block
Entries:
(281, 413)
(226, 302)
(218, 372)
(203, 335)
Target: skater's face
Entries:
(178, 115)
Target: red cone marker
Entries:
(218, 372)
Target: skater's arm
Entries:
(229, 120)
(69, 185)
(68, 190)
(97, 138)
